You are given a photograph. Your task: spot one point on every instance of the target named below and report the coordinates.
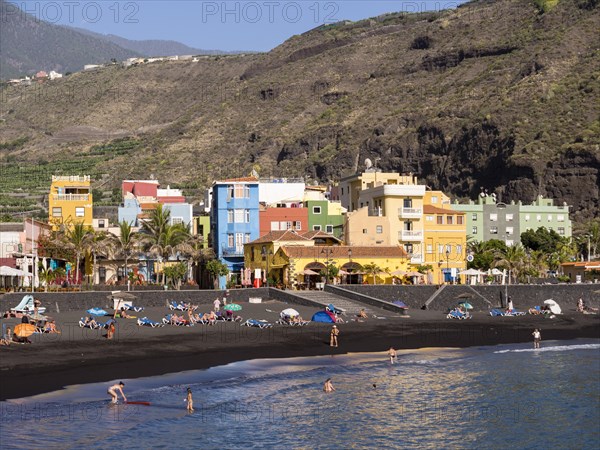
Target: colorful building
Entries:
(384, 209)
(284, 216)
(445, 238)
(489, 219)
(582, 272)
(70, 201)
(234, 222)
(326, 216)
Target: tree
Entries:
(512, 259)
(541, 239)
(126, 242)
(98, 243)
(193, 248)
(76, 238)
(46, 276)
(484, 253)
(373, 270)
(175, 274)
(216, 269)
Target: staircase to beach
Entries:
(351, 307)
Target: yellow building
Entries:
(70, 201)
(445, 237)
(300, 259)
(384, 209)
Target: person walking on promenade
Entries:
(333, 336)
(537, 337)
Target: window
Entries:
(316, 227)
(101, 223)
(57, 212)
(176, 220)
(561, 231)
(474, 230)
(329, 229)
(80, 211)
(342, 191)
(449, 220)
(408, 202)
(288, 225)
(474, 216)
(230, 240)
(429, 248)
(241, 191)
(459, 249)
(434, 199)
(239, 242)
(365, 231)
(379, 229)
(509, 217)
(440, 248)
(526, 217)
(509, 231)
(316, 210)
(247, 238)
(459, 220)
(560, 218)
(509, 243)
(230, 216)
(549, 217)
(297, 225)
(239, 215)
(448, 248)
(274, 226)
(408, 248)
(247, 215)
(493, 230)
(440, 220)
(429, 218)
(493, 217)
(539, 217)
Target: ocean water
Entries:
(485, 397)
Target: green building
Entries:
(327, 216)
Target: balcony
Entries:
(416, 259)
(233, 251)
(71, 197)
(410, 235)
(72, 178)
(410, 213)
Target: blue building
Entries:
(131, 210)
(234, 222)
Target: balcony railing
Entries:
(72, 197)
(75, 178)
(232, 251)
(410, 235)
(416, 259)
(410, 213)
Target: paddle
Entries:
(138, 403)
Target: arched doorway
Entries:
(353, 273)
(312, 275)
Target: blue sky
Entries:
(224, 25)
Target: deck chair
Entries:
(97, 312)
(496, 313)
(83, 324)
(257, 323)
(174, 306)
(167, 320)
(333, 309)
(145, 322)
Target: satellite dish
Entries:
(254, 173)
(470, 258)
(368, 163)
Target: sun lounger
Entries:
(168, 319)
(144, 321)
(97, 312)
(456, 314)
(496, 313)
(257, 323)
(94, 326)
(333, 309)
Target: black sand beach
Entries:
(82, 356)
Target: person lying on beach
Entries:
(123, 314)
(90, 322)
(534, 311)
(362, 314)
(212, 318)
(51, 327)
(20, 340)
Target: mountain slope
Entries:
(492, 95)
(28, 45)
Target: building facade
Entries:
(326, 216)
(234, 222)
(70, 201)
(489, 219)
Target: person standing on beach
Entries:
(190, 401)
(328, 387)
(112, 391)
(217, 304)
(392, 354)
(111, 330)
(537, 337)
(333, 336)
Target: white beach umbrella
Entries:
(291, 312)
(553, 306)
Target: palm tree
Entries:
(125, 244)
(512, 259)
(194, 249)
(98, 243)
(373, 270)
(76, 238)
(46, 276)
(157, 223)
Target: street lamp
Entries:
(440, 272)
(448, 261)
(327, 252)
(349, 266)
(266, 255)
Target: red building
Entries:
(283, 218)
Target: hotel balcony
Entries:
(410, 213)
(71, 197)
(233, 251)
(416, 259)
(410, 235)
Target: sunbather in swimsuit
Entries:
(112, 391)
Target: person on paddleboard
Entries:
(112, 391)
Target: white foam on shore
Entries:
(557, 348)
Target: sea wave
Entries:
(556, 348)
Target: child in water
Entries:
(190, 401)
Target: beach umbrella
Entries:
(24, 330)
(464, 295)
(232, 307)
(398, 272)
(553, 306)
(290, 312)
(400, 303)
(465, 305)
(309, 272)
(121, 295)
